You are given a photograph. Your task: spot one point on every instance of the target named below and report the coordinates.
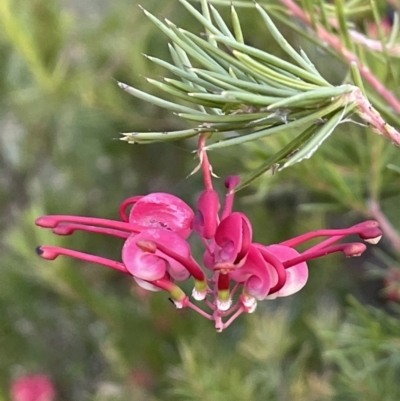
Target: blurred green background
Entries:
(92, 330)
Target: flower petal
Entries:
(296, 276)
(206, 221)
(233, 238)
(162, 210)
(152, 266)
(255, 274)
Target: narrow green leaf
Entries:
(171, 31)
(146, 137)
(343, 28)
(250, 98)
(233, 62)
(308, 7)
(355, 72)
(223, 84)
(227, 118)
(181, 95)
(217, 98)
(393, 168)
(262, 89)
(312, 97)
(324, 16)
(276, 61)
(206, 13)
(157, 101)
(395, 31)
(183, 86)
(182, 61)
(205, 21)
(291, 147)
(221, 23)
(236, 25)
(303, 54)
(190, 47)
(280, 39)
(240, 119)
(271, 74)
(184, 74)
(309, 119)
(316, 141)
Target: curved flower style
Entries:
(157, 255)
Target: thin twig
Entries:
(336, 44)
(388, 230)
(372, 117)
(373, 44)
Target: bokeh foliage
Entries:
(100, 338)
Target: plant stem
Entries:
(336, 44)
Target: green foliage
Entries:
(61, 112)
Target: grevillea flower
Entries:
(33, 388)
(236, 272)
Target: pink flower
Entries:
(33, 388)
(157, 255)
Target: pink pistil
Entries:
(53, 221)
(70, 228)
(52, 252)
(349, 249)
(366, 230)
(230, 183)
(125, 204)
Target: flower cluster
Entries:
(33, 388)
(236, 272)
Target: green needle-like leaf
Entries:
(157, 101)
(273, 60)
(315, 142)
(243, 91)
(309, 119)
(221, 23)
(312, 97)
(274, 160)
(236, 25)
(147, 137)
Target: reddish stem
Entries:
(390, 233)
(199, 310)
(205, 164)
(233, 318)
(335, 42)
